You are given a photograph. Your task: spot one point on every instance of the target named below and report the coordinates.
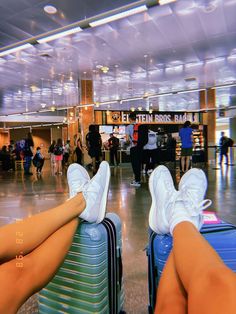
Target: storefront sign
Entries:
(120, 117)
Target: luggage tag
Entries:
(210, 218)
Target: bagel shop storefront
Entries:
(161, 122)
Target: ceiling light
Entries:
(105, 69)
(53, 108)
(132, 109)
(162, 2)
(15, 49)
(140, 108)
(97, 104)
(59, 35)
(43, 105)
(118, 16)
(50, 9)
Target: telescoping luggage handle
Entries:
(115, 266)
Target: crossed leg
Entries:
(28, 265)
(210, 286)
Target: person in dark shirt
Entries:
(78, 152)
(113, 144)
(224, 147)
(94, 145)
(186, 136)
(28, 153)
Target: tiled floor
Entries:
(20, 197)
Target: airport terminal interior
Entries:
(65, 65)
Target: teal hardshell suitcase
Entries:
(90, 279)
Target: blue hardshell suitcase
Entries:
(221, 236)
(90, 279)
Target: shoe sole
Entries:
(159, 169)
(102, 210)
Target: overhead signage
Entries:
(121, 117)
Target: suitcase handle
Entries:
(120, 265)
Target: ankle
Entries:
(78, 203)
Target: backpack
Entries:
(230, 142)
(135, 133)
(51, 148)
(57, 150)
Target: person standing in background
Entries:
(66, 153)
(113, 144)
(170, 147)
(150, 153)
(38, 160)
(186, 136)
(224, 148)
(78, 152)
(137, 135)
(58, 152)
(28, 153)
(94, 146)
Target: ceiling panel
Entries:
(151, 52)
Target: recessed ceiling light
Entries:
(50, 9)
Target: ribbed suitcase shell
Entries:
(82, 284)
(221, 236)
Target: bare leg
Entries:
(17, 284)
(31, 232)
(210, 285)
(187, 163)
(183, 163)
(171, 296)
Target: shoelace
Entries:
(194, 208)
(81, 188)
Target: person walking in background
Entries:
(113, 144)
(224, 147)
(186, 136)
(94, 146)
(38, 160)
(66, 153)
(28, 151)
(78, 152)
(58, 152)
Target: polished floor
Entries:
(21, 197)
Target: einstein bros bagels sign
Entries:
(121, 117)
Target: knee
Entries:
(215, 278)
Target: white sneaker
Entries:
(95, 194)
(190, 203)
(163, 195)
(77, 178)
(135, 183)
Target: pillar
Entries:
(207, 102)
(232, 128)
(86, 114)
